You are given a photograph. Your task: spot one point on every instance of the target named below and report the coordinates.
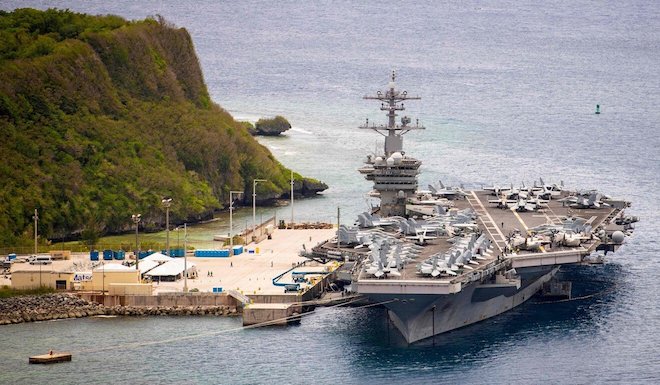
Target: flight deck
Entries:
(501, 224)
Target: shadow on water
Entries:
(530, 323)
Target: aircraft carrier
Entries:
(444, 257)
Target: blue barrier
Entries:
(212, 253)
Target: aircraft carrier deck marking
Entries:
(513, 210)
(556, 219)
(520, 219)
(489, 224)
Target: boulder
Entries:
(271, 127)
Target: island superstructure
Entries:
(443, 258)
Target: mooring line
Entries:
(605, 291)
(218, 332)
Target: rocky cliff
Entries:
(100, 118)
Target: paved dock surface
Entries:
(250, 272)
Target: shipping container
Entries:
(212, 253)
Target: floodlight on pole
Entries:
(136, 219)
(292, 182)
(231, 217)
(36, 221)
(185, 258)
(167, 202)
(254, 204)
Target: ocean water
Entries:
(508, 89)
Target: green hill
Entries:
(100, 118)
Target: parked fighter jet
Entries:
(421, 237)
(379, 265)
(496, 190)
(591, 200)
(503, 202)
(525, 205)
(547, 191)
(440, 190)
(435, 267)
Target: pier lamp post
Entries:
(185, 257)
(103, 279)
(254, 204)
(36, 220)
(292, 183)
(167, 202)
(136, 219)
(231, 217)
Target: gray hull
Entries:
(419, 316)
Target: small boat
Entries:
(51, 358)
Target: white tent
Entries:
(172, 270)
(146, 265)
(112, 267)
(157, 257)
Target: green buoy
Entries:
(597, 109)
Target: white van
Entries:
(40, 260)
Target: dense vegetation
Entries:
(100, 118)
(274, 126)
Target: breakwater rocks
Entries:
(171, 310)
(60, 306)
(45, 307)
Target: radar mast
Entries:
(392, 101)
(394, 174)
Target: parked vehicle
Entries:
(40, 260)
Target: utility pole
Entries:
(254, 205)
(231, 218)
(136, 219)
(292, 226)
(36, 220)
(167, 202)
(185, 257)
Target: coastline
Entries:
(49, 307)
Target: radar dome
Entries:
(390, 161)
(397, 157)
(379, 160)
(617, 237)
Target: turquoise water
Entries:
(332, 345)
(508, 94)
